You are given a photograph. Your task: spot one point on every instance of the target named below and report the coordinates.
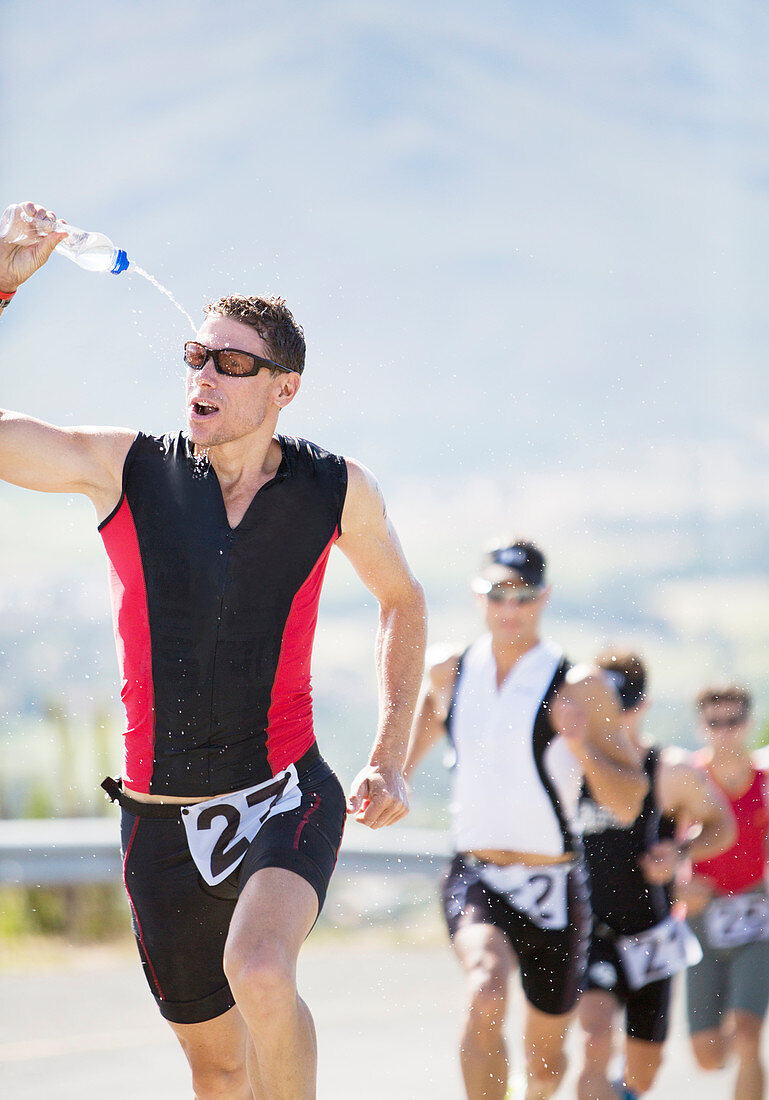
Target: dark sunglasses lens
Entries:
(726, 723)
(235, 362)
(502, 594)
(195, 354)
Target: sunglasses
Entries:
(505, 593)
(238, 364)
(726, 723)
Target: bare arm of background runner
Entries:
(36, 455)
(432, 711)
(378, 793)
(586, 713)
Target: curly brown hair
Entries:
(274, 322)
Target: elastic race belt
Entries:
(170, 811)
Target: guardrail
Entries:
(66, 851)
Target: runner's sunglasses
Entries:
(726, 723)
(506, 593)
(230, 361)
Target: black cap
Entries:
(627, 674)
(506, 561)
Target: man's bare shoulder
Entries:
(443, 665)
(364, 507)
(108, 449)
(118, 441)
(109, 445)
(357, 471)
(361, 482)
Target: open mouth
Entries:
(203, 408)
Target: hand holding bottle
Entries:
(28, 236)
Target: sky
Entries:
(513, 232)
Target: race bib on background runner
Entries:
(220, 830)
(736, 920)
(539, 893)
(659, 952)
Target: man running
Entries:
(218, 539)
(728, 992)
(636, 945)
(525, 728)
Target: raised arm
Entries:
(378, 794)
(586, 712)
(432, 711)
(36, 455)
(33, 454)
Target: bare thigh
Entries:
(485, 954)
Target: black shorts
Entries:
(551, 961)
(646, 1009)
(181, 923)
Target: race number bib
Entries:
(539, 893)
(220, 830)
(659, 952)
(733, 921)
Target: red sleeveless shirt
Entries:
(742, 867)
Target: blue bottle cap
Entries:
(121, 262)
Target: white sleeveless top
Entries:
(507, 758)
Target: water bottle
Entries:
(91, 251)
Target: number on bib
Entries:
(220, 830)
(734, 921)
(658, 953)
(222, 857)
(541, 893)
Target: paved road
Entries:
(85, 1028)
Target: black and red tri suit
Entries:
(214, 625)
(214, 628)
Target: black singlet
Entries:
(214, 625)
(620, 895)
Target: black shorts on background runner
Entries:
(551, 961)
(181, 923)
(646, 1009)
